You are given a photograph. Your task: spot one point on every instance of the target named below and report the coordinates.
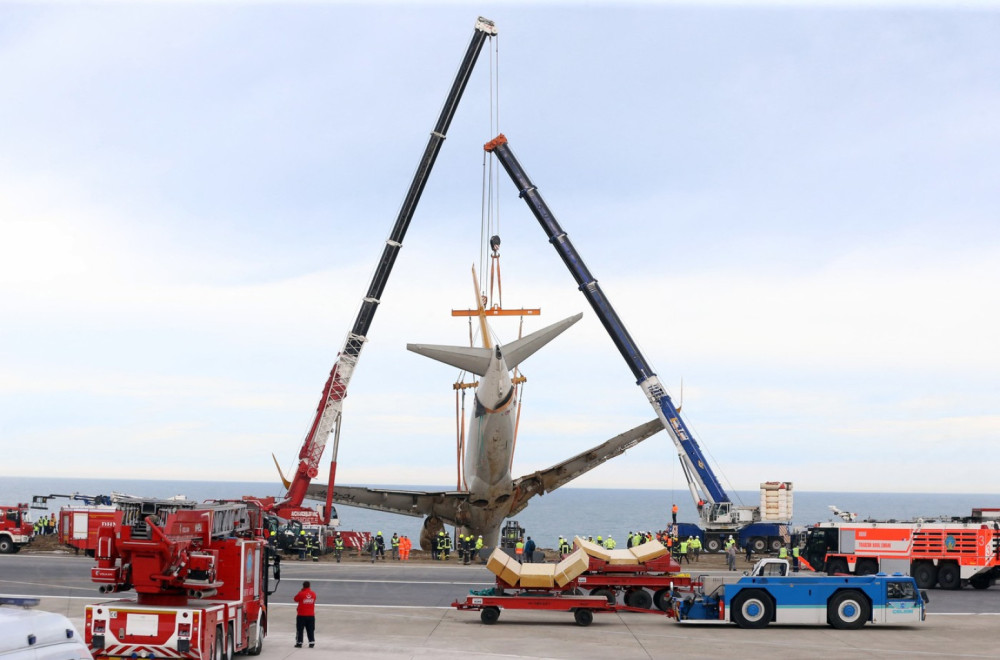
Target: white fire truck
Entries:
(941, 553)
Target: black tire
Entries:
(949, 577)
(662, 600)
(752, 609)
(980, 581)
(758, 544)
(925, 573)
(848, 610)
(713, 544)
(583, 617)
(489, 615)
(639, 598)
(217, 649)
(6, 546)
(835, 566)
(259, 644)
(866, 567)
(607, 593)
(776, 544)
(230, 645)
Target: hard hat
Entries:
(480, 536)
(379, 534)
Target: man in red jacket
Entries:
(305, 615)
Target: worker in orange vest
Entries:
(673, 512)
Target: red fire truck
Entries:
(948, 554)
(202, 577)
(16, 530)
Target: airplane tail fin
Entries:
(476, 360)
(518, 351)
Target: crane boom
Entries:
(328, 412)
(696, 469)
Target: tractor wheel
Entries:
(752, 609)
(848, 610)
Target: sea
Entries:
(567, 511)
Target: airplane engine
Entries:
(428, 535)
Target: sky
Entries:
(793, 208)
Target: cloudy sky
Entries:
(795, 210)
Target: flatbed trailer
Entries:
(660, 576)
(555, 600)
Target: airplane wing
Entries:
(547, 480)
(446, 505)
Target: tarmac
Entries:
(352, 631)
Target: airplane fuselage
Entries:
(489, 444)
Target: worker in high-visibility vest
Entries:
(609, 543)
(519, 550)
(683, 552)
(783, 552)
(338, 546)
(795, 558)
(695, 544)
(673, 513)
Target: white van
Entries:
(30, 634)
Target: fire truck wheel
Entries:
(752, 609)
(583, 617)
(866, 567)
(662, 600)
(259, 643)
(835, 566)
(489, 615)
(638, 598)
(607, 593)
(848, 610)
(925, 573)
(217, 649)
(980, 582)
(949, 576)
(230, 645)
(6, 545)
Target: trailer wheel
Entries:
(949, 576)
(6, 545)
(662, 600)
(925, 573)
(607, 593)
(639, 598)
(489, 615)
(848, 610)
(584, 617)
(752, 609)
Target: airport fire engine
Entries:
(16, 530)
(202, 577)
(935, 553)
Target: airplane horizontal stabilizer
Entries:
(547, 480)
(445, 505)
(519, 350)
(473, 360)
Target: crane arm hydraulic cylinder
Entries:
(686, 445)
(331, 403)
